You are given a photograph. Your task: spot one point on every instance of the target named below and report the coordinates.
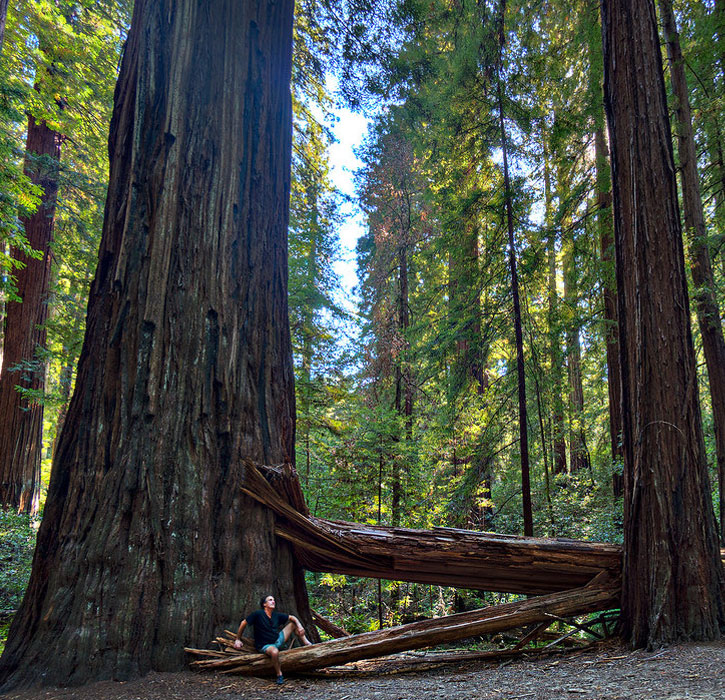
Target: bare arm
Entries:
(240, 631)
(297, 623)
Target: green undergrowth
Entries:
(17, 542)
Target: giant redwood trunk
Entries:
(708, 312)
(21, 418)
(673, 578)
(147, 543)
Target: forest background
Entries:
(408, 409)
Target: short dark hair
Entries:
(263, 599)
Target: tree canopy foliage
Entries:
(487, 154)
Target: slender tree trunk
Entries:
(3, 20)
(396, 462)
(403, 383)
(147, 543)
(557, 415)
(520, 368)
(405, 325)
(609, 298)
(380, 515)
(479, 372)
(21, 422)
(547, 479)
(403, 400)
(708, 313)
(605, 229)
(305, 412)
(470, 365)
(720, 31)
(716, 184)
(579, 458)
(673, 583)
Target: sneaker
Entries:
(280, 680)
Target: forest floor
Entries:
(607, 671)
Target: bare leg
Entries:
(273, 654)
(303, 638)
(289, 628)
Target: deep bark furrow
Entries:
(147, 543)
(708, 312)
(673, 581)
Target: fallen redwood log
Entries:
(603, 593)
(442, 556)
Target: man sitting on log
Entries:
(268, 637)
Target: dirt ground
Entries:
(605, 672)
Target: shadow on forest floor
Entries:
(607, 671)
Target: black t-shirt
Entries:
(266, 630)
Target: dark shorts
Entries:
(280, 643)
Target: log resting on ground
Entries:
(600, 594)
(442, 556)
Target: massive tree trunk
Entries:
(518, 331)
(147, 543)
(21, 419)
(708, 313)
(673, 578)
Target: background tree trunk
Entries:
(578, 455)
(557, 412)
(147, 543)
(708, 313)
(605, 229)
(609, 298)
(3, 19)
(673, 578)
(520, 368)
(403, 396)
(21, 419)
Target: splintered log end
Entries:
(426, 633)
(207, 653)
(329, 627)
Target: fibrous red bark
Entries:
(21, 419)
(673, 580)
(147, 543)
(443, 556)
(708, 311)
